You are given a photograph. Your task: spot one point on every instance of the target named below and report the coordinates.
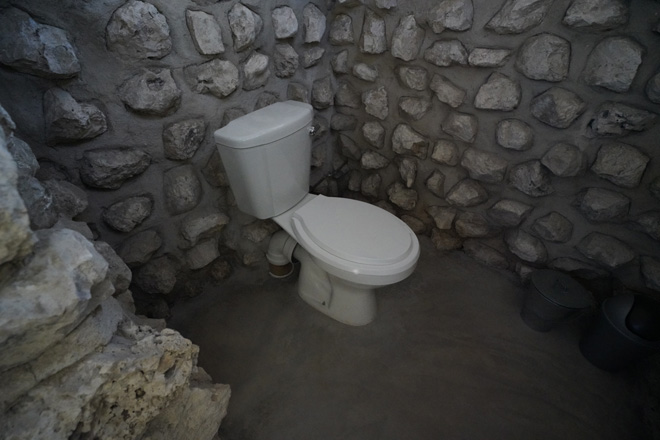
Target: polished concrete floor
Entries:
(447, 357)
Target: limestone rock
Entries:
(553, 227)
(517, 16)
(322, 94)
(285, 60)
(445, 53)
(613, 63)
(447, 92)
(564, 160)
(67, 120)
(467, 193)
(370, 186)
(373, 39)
(109, 168)
(152, 92)
(446, 240)
(650, 268)
(621, 164)
(499, 92)
(314, 23)
(653, 89)
(407, 141)
(35, 48)
(413, 107)
(598, 15)
(557, 107)
(217, 77)
(485, 254)
(531, 178)
(616, 119)
(445, 152)
(371, 160)
(126, 215)
(285, 22)
(374, 134)
(402, 197)
(514, 134)
(118, 272)
(347, 96)
(138, 249)
(436, 183)
(339, 62)
(606, 250)
(375, 103)
(443, 216)
(157, 276)
(471, 225)
(256, 71)
(601, 205)
(137, 29)
(455, 15)
(205, 32)
(649, 223)
(245, 26)
(68, 199)
(526, 246)
(461, 126)
(365, 72)
(509, 213)
(412, 77)
(202, 225)
(340, 122)
(182, 189)
(182, 139)
(408, 171)
(341, 30)
(312, 56)
(407, 39)
(487, 57)
(484, 166)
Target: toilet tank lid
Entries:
(265, 125)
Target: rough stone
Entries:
(446, 240)
(314, 23)
(157, 276)
(26, 162)
(35, 48)
(443, 216)
(408, 171)
(386, 4)
(531, 178)
(217, 77)
(455, 15)
(514, 134)
(348, 147)
(339, 62)
(347, 96)
(488, 57)
(245, 26)
(182, 189)
(654, 187)
(201, 225)
(312, 56)
(649, 223)
(485, 254)
(370, 185)
(402, 197)
(137, 29)
(322, 94)
(109, 168)
(621, 164)
(509, 213)
(137, 249)
(499, 92)
(544, 57)
(373, 39)
(650, 268)
(298, 92)
(447, 92)
(600, 15)
(564, 160)
(182, 139)
(484, 166)
(341, 30)
(407, 141)
(445, 152)
(285, 60)
(557, 107)
(518, 16)
(340, 122)
(413, 107)
(126, 215)
(68, 199)
(220, 270)
(205, 32)
(376, 103)
(118, 272)
(365, 72)
(471, 225)
(412, 77)
(285, 22)
(256, 71)
(601, 205)
(67, 120)
(152, 92)
(553, 227)
(526, 246)
(461, 126)
(467, 193)
(578, 268)
(653, 89)
(613, 63)
(606, 250)
(214, 171)
(436, 183)
(371, 160)
(446, 53)
(374, 134)
(38, 201)
(616, 119)
(407, 39)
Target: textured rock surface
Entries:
(408, 171)
(373, 39)
(596, 14)
(455, 15)
(514, 134)
(68, 199)
(314, 23)
(256, 71)
(484, 166)
(137, 29)
(402, 197)
(205, 32)
(405, 140)
(599, 204)
(606, 250)
(653, 89)
(553, 227)
(557, 107)
(531, 178)
(499, 92)
(416, 78)
(407, 39)
(517, 16)
(341, 30)
(445, 53)
(526, 246)
(485, 254)
(285, 22)
(621, 164)
(445, 152)
(414, 108)
(508, 212)
(67, 120)
(127, 214)
(617, 119)
(245, 26)
(487, 57)
(471, 225)
(152, 92)
(217, 77)
(322, 93)
(109, 168)
(544, 57)
(182, 139)
(157, 276)
(202, 225)
(448, 92)
(565, 160)
(139, 248)
(467, 193)
(461, 126)
(376, 102)
(613, 63)
(181, 188)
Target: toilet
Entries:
(346, 248)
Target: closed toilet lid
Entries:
(353, 230)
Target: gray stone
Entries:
(245, 26)
(118, 272)
(152, 92)
(220, 270)
(484, 166)
(231, 114)
(323, 127)
(578, 268)
(509, 213)
(455, 15)
(67, 120)
(386, 4)
(35, 48)
(602, 205)
(598, 15)
(443, 216)
(649, 223)
(606, 250)
(408, 171)
(461, 126)
(526, 246)
(616, 119)
(26, 162)
(322, 94)
(446, 53)
(205, 32)
(340, 122)
(311, 56)
(414, 108)
(544, 57)
(415, 78)
(138, 249)
(365, 72)
(653, 89)
(109, 168)
(371, 160)
(354, 180)
(531, 178)
(517, 16)
(436, 183)
(621, 164)
(514, 134)
(259, 230)
(553, 227)
(557, 107)
(373, 39)
(485, 254)
(256, 71)
(182, 139)
(370, 185)
(447, 92)
(126, 215)
(471, 225)
(407, 39)
(650, 268)
(68, 199)
(181, 188)
(499, 92)
(564, 160)
(157, 276)
(285, 22)
(613, 63)
(467, 193)
(445, 152)
(38, 201)
(339, 62)
(347, 96)
(407, 141)
(80, 227)
(201, 225)
(487, 57)
(298, 92)
(374, 134)
(314, 23)
(446, 240)
(137, 29)
(265, 99)
(375, 102)
(341, 30)
(402, 197)
(348, 147)
(217, 77)
(285, 59)
(654, 187)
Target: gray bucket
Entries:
(553, 297)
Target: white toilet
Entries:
(346, 248)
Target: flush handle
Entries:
(314, 129)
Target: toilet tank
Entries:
(266, 155)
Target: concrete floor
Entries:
(448, 357)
